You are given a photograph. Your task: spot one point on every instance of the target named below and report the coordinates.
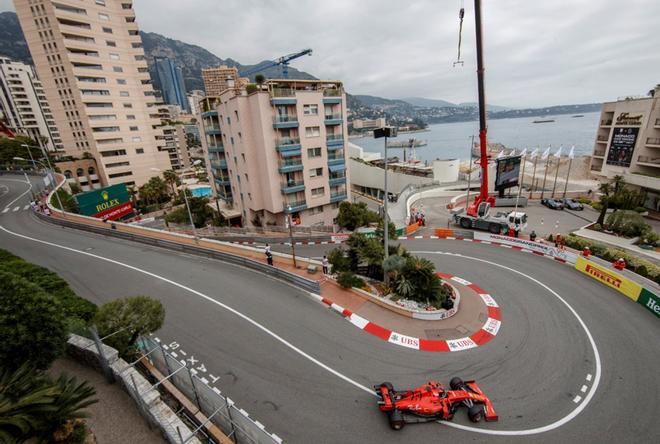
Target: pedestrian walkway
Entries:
(619, 242)
(115, 417)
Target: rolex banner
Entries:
(109, 203)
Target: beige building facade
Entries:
(216, 78)
(89, 57)
(365, 123)
(628, 144)
(279, 150)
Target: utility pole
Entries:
(545, 173)
(293, 244)
(568, 173)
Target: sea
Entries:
(452, 140)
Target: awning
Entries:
(336, 168)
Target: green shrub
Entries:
(597, 227)
(348, 279)
(584, 200)
(640, 210)
(339, 261)
(642, 270)
(597, 206)
(251, 88)
(627, 223)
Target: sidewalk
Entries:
(115, 418)
(620, 242)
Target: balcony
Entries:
(209, 114)
(335, 159)
(212, 130)
(293, 187)
(338, 197)
(602, 139)
(332, 96)
(287, 144)
(216, 148)
(606, 123)
(649, 161)
(657, 123)
(219, 164)
(337, 179)
(653, 142)
(283, 96)
(292, 207)
(599, 154)
(334, 140)
(333, 119)
(291, 165)
(223, 182)
(285, 121)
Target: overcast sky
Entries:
(538, 53)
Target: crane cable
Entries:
(461, 14)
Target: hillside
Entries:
(12, 41)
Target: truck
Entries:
(499, 223)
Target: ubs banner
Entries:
(622, 146)
(110, 202)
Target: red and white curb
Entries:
(287, 243)
(495, 244)
(481, 337)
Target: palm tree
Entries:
(171, 179)
(606, 190)
(71, 399)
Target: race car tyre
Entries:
(456, 383)
(396, 420)
(476, 413)
(465, 222)
(494, 228)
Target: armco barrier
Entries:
(623, 285)
(298, 281)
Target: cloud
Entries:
(536, 53)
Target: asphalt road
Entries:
(533, 370)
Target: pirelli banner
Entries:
(612, 279)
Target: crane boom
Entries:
(282, 61)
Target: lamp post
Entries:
(293, 246)
(51, 174)
(385, 132)
(25, 145)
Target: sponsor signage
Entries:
(650, 301)
(492, 326)
(528, 245)
(629, 119)
(406, 341)
(609, 277)
(339, 237)
(622, 146)
(110, 202)
(507, 173)
(461, 344)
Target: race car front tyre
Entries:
(396, 420)
(476, 413)
(456, 383)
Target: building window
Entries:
(128, 105)
(114, 56)
(318, 191)
(107, 30)
(104, 17)
(139, 150)
(316, 172)
(236, 115)
(80, 172)
(133, 128)
(232, 140)
(110, 43)
(127, 173)
(91, 171)
(313, 152)
(228, 121)
(130, 117)
(247, 179)
(100, 2)
(243, 156)
(123, 93)
(137, 139)
(311, 110)
(117, 69)
(121, 81)
(312, 131)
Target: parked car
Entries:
(573, 204)
(553, 204)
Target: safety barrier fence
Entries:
(190, 248)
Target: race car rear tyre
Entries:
(396, 420)
(456, 383)
(476, 413)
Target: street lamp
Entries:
(51, 175)
(293, 247)
(25, 145)
(185, 197)
(386, 131)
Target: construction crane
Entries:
(281, 61)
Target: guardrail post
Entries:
(107, 371)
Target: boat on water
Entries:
(544, 121)
(577, 115)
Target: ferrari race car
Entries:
(432, 402)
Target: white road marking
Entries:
(584, 388)
(22, 194)
(5, 210)
(16, 209)
(589, 395)
(577, 399)
(209, 299)
(182, 352)
(174, 354)
(589, 377)
(26, 207)
(214, 378)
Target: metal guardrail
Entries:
(300, 282)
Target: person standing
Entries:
(269, 258)
(324, 262)
(532, 236)
(267, 248)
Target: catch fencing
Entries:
(217, 407)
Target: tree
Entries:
(393, 266)
(154, 191)
(606, 190)
(131, 317)
(391, 230)
(199, 209)
(339, 261)
(171, 179)
(260, 79)
(419, 282)
(355, 215)
(68, 202)
(32, 324)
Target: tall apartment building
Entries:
(170, 79)
(216, 78)
(628, 144)
(194, 97)
(90, 60)
(174, 138)
(278, 150)
(24, 105)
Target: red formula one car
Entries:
(432, 402)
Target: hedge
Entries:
(633, 263)
(76, 309)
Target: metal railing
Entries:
(283, 92)
(284, 118)
(332, 92)
(334, 137)
(287, 141)
(290, 162)
(332, 116)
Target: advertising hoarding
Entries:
(109, 203)
(507, 173)
(609, 277)
(622, 146)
